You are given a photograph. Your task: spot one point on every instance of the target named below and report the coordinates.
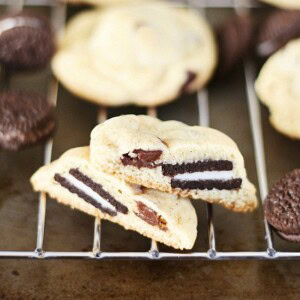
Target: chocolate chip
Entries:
(143, 159)
(150, 216)
(200, 166)
(232, 184)
(276, 31)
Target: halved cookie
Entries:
(196, 162)
(72, 180)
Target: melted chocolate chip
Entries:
(150, 216)
(207, 184)
(200, 166)
(190, 77)
(143, 159)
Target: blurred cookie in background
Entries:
(276, 31)
(288, 4)
(145, 54)
(278, 87)
(100, 2)
(26, 41)
(234, 37)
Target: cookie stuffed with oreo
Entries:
(282, 206)
(26, 41)
(25, 118)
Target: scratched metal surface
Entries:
(68, 230)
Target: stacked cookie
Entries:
(140, 172)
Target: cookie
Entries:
(100, 2)
(288, 4)
(278, 87)
(25, 41)
(276, 31)
(234, 38)
(25, 118)
(72, 180)
(145, 53)
(190, 161)
(282, 206)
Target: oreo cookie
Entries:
(282, 206)
(26, 41)
(25, 118)
(234, 37)
(276, 31)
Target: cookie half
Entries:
(144, 53)
(278, 87)
(288, 4)
(26, 41)
(191, 161)
(25, 118)
(72, 180)
(276, 31)
(282, 206)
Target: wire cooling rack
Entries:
(58, 16)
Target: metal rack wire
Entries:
(58, 19)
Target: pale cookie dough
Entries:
(99, 2)
(288, 4)
(278, 87)
(196, 162)
(72, 180)
(144, 53)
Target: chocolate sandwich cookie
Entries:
(26, 41)
(25, 118)
(276, 31)
(191, 161)
(282, 206)
(74, 181)
(234, 38)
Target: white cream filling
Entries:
(88, 191)
(206, 175)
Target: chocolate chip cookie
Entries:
(147, 53)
